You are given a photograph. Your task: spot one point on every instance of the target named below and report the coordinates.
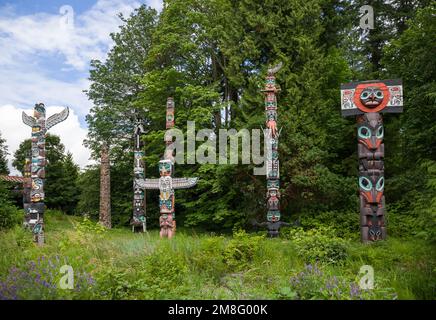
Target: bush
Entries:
(240, 250)
(209, 258)
(319, 245)
(344, 224)
(10, 216)
(88, 226)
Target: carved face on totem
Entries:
(371, 97)
(165, 167)
(273, 201)
(370, 131)
(371, 187)
(273, 216)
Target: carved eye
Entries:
(364, 95)
(379, 94)
(380, 132)
(380, 184)
(365, 183)
(364, 132)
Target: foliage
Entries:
(60, 186)
(39, 279)
(240, 250)
(343, 224)
(3, 154)
(120, 264)
(319, 245)
(88, 226)
(9, 214)
(314, 283)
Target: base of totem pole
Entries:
(364, 232)
(139, 228)
(39, 239)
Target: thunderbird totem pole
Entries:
(34, 210)
(272, 134)
(166, 183)
(139, 218)
(367, 100)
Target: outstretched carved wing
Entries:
(56, 118)
(150, 184)
(184, 183)
(275, 69)
(30, 121)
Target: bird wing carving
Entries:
(275, 69)
(56, 118)
(30, 121)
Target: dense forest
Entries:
(212, 57)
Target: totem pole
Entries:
(35, 209)
(139, 219)
(271, 134)
(367, 100)
(166, 183)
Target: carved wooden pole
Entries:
(272, 154)
(367, 100)
(166, 184)
(139, 211)
(105, 188)
(39, 125)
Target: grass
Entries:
(118, 264)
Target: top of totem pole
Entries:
(270, 83)
(38, 118)
(170, 113)
(370, 96)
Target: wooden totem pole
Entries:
(35, 209)
(105, 217)
(271, 134)
(367, 101)
(139, 218)
(166, 183)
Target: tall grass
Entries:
(119, 264)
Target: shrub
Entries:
(240, 250)
(88, 226)
(209, 258)
(319, 245)
(9, 216)
(344, 224)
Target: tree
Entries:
(3, 154)
(61, 173)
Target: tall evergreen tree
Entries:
(3, 154)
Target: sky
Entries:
(45, 50)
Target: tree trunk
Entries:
(105, 188)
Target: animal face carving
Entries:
(372, 187)
(369, 136)
(371, 97)
(165, 167)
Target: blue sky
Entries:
(46, 47)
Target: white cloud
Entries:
(14, 131)
(78, 38)
(34, 47)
